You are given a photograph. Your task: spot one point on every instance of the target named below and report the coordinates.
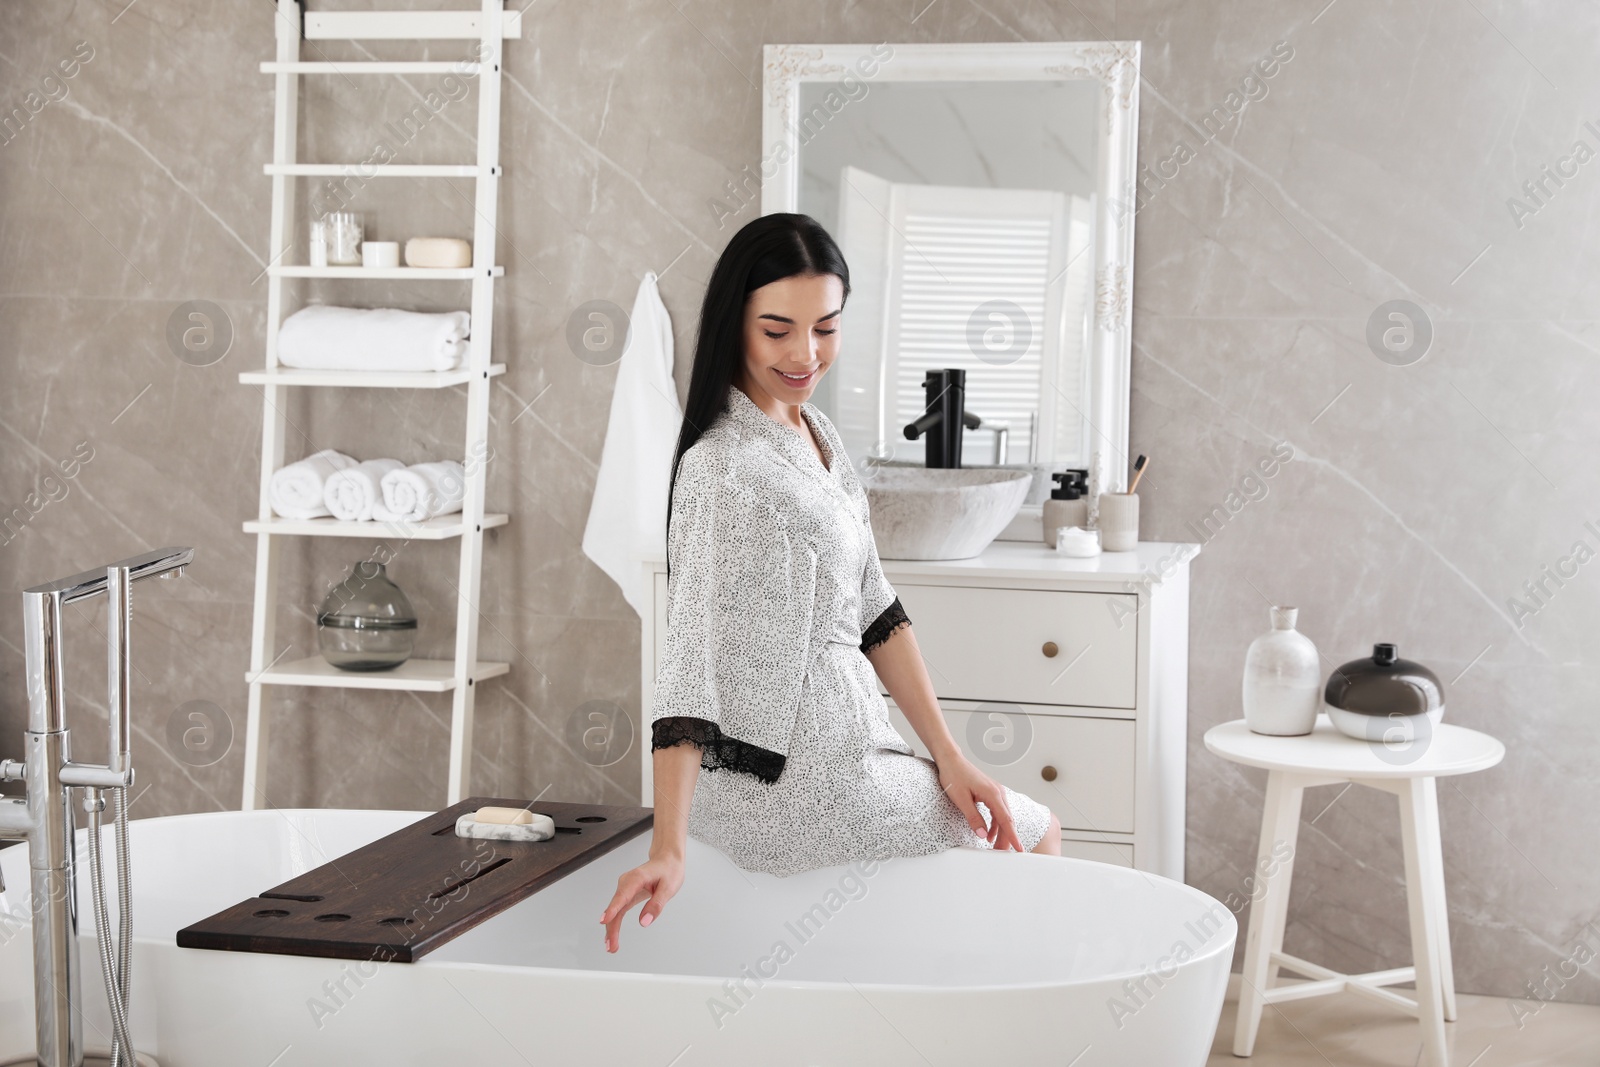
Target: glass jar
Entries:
(366, 623)
(344, 239)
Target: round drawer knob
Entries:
(1051, 650)
(1048, 774)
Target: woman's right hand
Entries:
(656, 881)
(661, 876)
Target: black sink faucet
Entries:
(944, 416)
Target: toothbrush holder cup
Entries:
(1119, 522)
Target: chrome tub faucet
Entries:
(46, 818)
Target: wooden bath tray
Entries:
(404, 895)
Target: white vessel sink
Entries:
(918, 513)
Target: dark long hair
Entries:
(767, 250)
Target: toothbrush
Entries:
(1139, 466)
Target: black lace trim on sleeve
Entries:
(716, 751)
(893, 619)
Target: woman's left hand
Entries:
(964, 784)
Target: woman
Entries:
(778, 615)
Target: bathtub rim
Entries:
(86, 930)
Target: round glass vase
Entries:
(366, 623)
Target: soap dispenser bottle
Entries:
(1068, 505)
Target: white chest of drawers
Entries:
(1065, 679)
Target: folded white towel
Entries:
(297, 490)
(351, 493)
(338, 338)
(422, 492)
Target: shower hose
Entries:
(115, 964)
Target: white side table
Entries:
(1327, 757)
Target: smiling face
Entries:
(791, 338)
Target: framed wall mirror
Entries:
(983, 195)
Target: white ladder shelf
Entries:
(489, 26)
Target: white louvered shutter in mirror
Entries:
(993, 281)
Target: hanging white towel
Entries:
(352, 493)
(297, 491)
(628, 514)
(422, 492)
(338, 338)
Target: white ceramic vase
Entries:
(1282, 679)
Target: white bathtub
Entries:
(959, 958)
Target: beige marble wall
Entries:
(1377, 167)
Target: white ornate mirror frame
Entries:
(1114, 64)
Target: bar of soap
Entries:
(505, 816)
(438, 252)
(542, 828)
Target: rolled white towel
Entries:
(297, 489)
(352, 493)
(422, 491)
(339, 338)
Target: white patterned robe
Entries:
(774, 583)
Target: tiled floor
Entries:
(1347, 1031)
